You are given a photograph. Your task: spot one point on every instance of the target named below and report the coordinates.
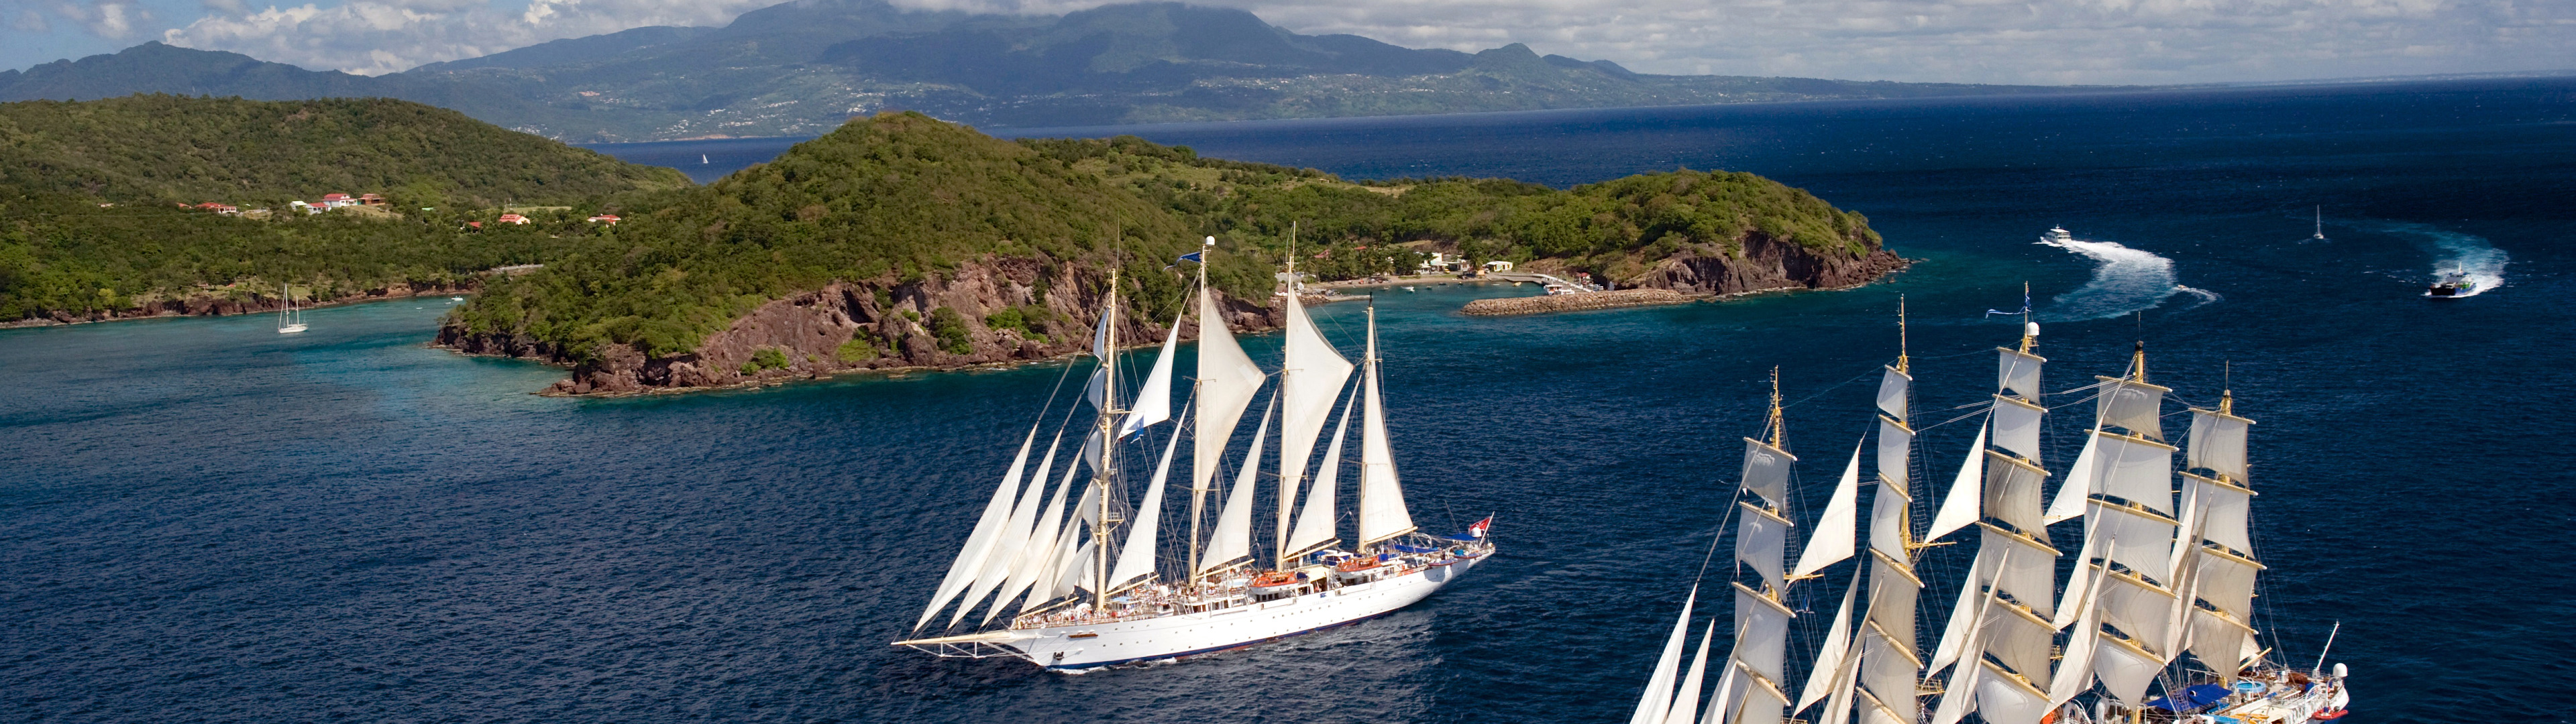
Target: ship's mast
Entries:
(1198, 489)
(1776, 422)
(1903, 364)
(1287, 285)
(1106, 476)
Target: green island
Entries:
(897, 241)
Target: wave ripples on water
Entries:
(2124, 280)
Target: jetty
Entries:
(1580, 301)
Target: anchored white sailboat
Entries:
(1076, 606)
(290, 320)
(2155, 624)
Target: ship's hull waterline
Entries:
(1082, 648)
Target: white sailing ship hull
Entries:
(1075, 649)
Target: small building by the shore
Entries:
(1498, 265)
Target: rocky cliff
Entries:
(1766, 264)
(996, 310)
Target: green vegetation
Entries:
(892, 198)
(1348, 230)
(89, 222)
(949, 328)
(858, 349)
(886, 202)
(260, 153)
(765, 358)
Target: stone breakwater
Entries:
(1512, 306)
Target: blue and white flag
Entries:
(2025, 306)
(1195, 256)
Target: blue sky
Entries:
(1988, 41)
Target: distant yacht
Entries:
(2321, 225)
(2055, 236)
(289, 319)
(2454, 284)
(702, 159)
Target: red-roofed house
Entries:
(610, 219)
(371, 199)
(333, 201)
(513, 219)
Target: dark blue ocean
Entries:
(201, 520)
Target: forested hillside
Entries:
(175, 148)
(92, 224)
(903, 241)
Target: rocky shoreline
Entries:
(880, 325)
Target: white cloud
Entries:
(1990, 41)
(110, 19)
(374, 37)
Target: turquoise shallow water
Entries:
(205, 521)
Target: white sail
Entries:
(1041, 549)
(2069, 503)
(2018, 373)
(1888, 521)
(1827, 671)
(1136, 558)
(1761, 647)
(2138, 539)
(1316, 524)
(1153, 401)
(1895, 444)
(1382, 511)
(1077, 571)
(2019, 640)
(2124, 669)
(1766, 472)
(2218, 443)
(1892, 594)
(1013, 540)
(2012, 492)
(2075, 669)
(1309, 380)
(2139, 471)
(1232, 539)
(1762, 542)
(1891, 392)
(1963, 644)
(997, 513)
(1730, 690)
(2144, 611)
(2024, 569)
(2217, 511)
(2219, 641)
(1887, 676)
(1959, 508)
(2009, 700)
(1655, 703)
(1227, 382)
(1072, 554)
(1837, 531)
(2132, 404)
(2227, 583)
(2017, 426)
(1685, 708)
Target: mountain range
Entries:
(805, 67)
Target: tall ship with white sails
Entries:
(2155, 623)
(1073, 581)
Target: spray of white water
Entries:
(2455, 251)
(2124, 280)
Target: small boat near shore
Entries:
(290, 320)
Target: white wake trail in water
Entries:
(2124, 280)
(2468, 253)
